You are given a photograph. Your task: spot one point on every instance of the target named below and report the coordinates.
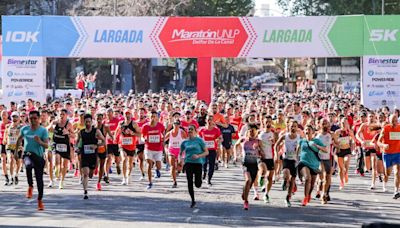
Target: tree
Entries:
(338, 7)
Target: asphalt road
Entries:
(218, 206)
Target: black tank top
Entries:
(89, 138)
(127, 126)
(59, 137)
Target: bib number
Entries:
(154, 138)
(175, 144)
(127, 141)
(394, 135)
(12, 140)
(210, 144)
(61, 148)
(344, 141)
(88, 149)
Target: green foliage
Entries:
(219, 7)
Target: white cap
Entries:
(15, 114)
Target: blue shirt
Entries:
(307, 154)
(30, 145)
(192, 147)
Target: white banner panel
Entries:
(23, 78)
(381, 81)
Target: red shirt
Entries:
(210, 137)
(153, 136)
(113, 124)
(80, 85)
(185, 124)
(236, 123)
(2, 131)
(391, 136)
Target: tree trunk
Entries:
(141, 76)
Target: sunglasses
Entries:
(191, 129)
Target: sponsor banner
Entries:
(23, 78)
(307, 36)
(153, 37)
(382, 35)
(381, 81)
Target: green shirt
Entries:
(192, 147)
(30, 145)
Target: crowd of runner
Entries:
(275, 138)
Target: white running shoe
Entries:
(50, 184)
(123, 181)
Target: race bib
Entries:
(61, 148)
(88, 149)
(210, 144)
(368, 143)
(290, 155)
(154, 138)
(127, 141)
(344, 141)
(394, 135)
(176, 144)
(12, 140)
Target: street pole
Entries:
(114, 61)
(326, 74)
(54, 60)
(383, 7)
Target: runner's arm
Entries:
(100, 136)
(280, 140)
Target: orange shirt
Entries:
(218, 118)
(391, 136)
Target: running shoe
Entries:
(309, 199)
(16, 181)
(123, 181)
(85, 196)
(167, 166)
(110, 170)
(76, 173)
(40, 205)
(256, 197)
(263, 189)
(50, 184)
(175, 185)
(106, 179)
(118, 170)
(141, 177)
(396, 195)
(324, 199)
(266, 198)
(98, 187)
(149, 186)
(287, 202)
(204, 175)
(341, 186)
(304, 202)
(7, 181)
(328, 198)
(380, 178)
(29, 193)
(209, 184)
(318, 195)
(246, 206)
(158, 173)
(372, 187)
(61, 185)
(193, 205)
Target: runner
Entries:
(102, 149)
(227, 131)
(62, 148)
(389, 142)
(211, 135)
(325, 179)
(252, 152)
(290, 140)
(266, 167)
(88, 140)
(112, 146)
(35, 142)
(153, 133)
(308, 167)
(345, 136)
(127, 132)
(175, 137)
(365, 137)
(3, 126)
(140, 142)
(195, 150)
(14, 154)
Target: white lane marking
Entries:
(188, 219)
(196, 210)
(10, 208)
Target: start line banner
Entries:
(153, 37)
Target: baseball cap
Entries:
(14, 114)
(81, 112)
(127, 110)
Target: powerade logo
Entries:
(28, 62)
(288, 36)
(378, 61)
(22, 36)
(10, 74)
(118, 36)
(375, 93)
(218, 36)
